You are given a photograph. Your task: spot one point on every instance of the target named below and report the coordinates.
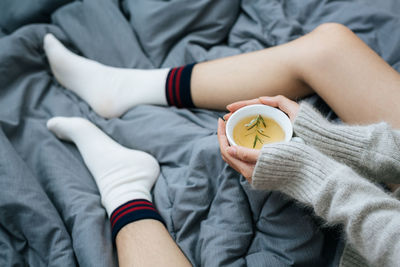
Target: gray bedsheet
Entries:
(50, 211)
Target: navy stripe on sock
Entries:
(185, 93)
(177, 87)
(131, 211)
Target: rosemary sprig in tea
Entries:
(256, 122)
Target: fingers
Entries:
(223, 141)
(291, 108)
(245, 168)
(227, 116)
(288, 106)
(244, 154)
(236, 105)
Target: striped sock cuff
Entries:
(177, 87)
(131, 211)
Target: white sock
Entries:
(109, 91)
(121, 174)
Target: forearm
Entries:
(373, 150)
(370, 217)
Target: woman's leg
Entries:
(148, 243)
(331, 61)
(124, 178)
(112, 91)
(354, 81)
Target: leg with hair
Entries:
(148, 243)
(124, 178)
(331, 61)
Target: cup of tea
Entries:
(256, 125)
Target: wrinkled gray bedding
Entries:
(50, 212)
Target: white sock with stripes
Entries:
(109, 91)
(121, 174)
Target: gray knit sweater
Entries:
(327, 174)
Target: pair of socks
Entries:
(124, 176)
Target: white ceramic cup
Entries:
(267, 112)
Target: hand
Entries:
(288, 106)
(241, 159)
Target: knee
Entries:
(331, 37)
(328, 42)
(332, 29)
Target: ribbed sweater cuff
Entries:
(294, 169)
(351, 258)
(372, 150)
(345, 143)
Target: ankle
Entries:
(131, 211)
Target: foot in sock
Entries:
(109, 91)
(121, 174)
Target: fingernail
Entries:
(224, 117)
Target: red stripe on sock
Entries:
(170, 85)
(177, 87)
(129, 205)
(131, 210)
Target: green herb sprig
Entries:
(256, 125)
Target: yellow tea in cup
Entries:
(255, 131)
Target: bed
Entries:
(50, 210)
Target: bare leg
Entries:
(331, 61)
(354, 81)
(148, 243)
(272, 71)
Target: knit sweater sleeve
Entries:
(371, 218)
(373, 151)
